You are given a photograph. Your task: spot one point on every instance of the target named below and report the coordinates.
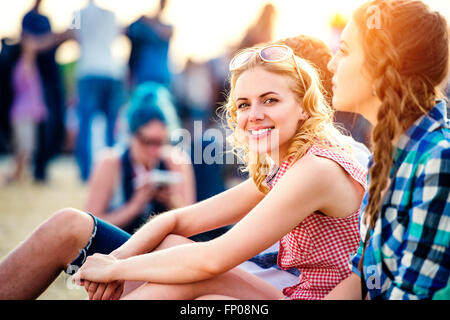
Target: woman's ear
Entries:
(304, 115)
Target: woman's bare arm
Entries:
(349, 289)
(220, 210)
(297, 195)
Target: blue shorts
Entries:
(105, 238)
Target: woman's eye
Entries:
(270, 101)
(242, 105)
(342, 51)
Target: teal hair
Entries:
(151, 101)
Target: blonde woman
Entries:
(305, 188)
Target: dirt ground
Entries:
(24, 205)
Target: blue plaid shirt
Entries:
(408, 254)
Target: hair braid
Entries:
(388, 88)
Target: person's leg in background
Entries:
(40, 155)
(88, 90)
(24, 135)
(113, 98)
(51, 131)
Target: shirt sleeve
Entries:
(363, 228)
(424, 266)
(356, 258)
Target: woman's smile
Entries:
(260, 133)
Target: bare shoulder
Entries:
(325, 169)
(340, 194)
(107, 160)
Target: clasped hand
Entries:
(96, 276)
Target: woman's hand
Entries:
(97, 268)
(168, 197)
(143, 196)
(104, 291)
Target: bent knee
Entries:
(69, 224)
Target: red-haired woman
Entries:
(392, 60)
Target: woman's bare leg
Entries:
(235, 283)
(30, 268)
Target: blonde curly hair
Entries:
(317, 129)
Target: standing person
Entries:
(397, 59)
(262, 29)
(194, 106)
(284, 128)
(28, 107)
(99, 79)
(50, 133)
(149, 57)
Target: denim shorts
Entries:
(104, 239)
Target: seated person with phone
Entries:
(147, 178)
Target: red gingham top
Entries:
(320, 247)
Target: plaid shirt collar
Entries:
(435, 119)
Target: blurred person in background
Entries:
(209, 173)
(262, 29)
(50, 133)
(193, 90)
(100, 78)
(28, 108)
(10, 51)
(148, 177)
(150, 38)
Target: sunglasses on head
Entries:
(149, 142)
(270, 53)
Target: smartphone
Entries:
(158, 178)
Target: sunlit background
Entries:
(203, 28)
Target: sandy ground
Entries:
(24, 205)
